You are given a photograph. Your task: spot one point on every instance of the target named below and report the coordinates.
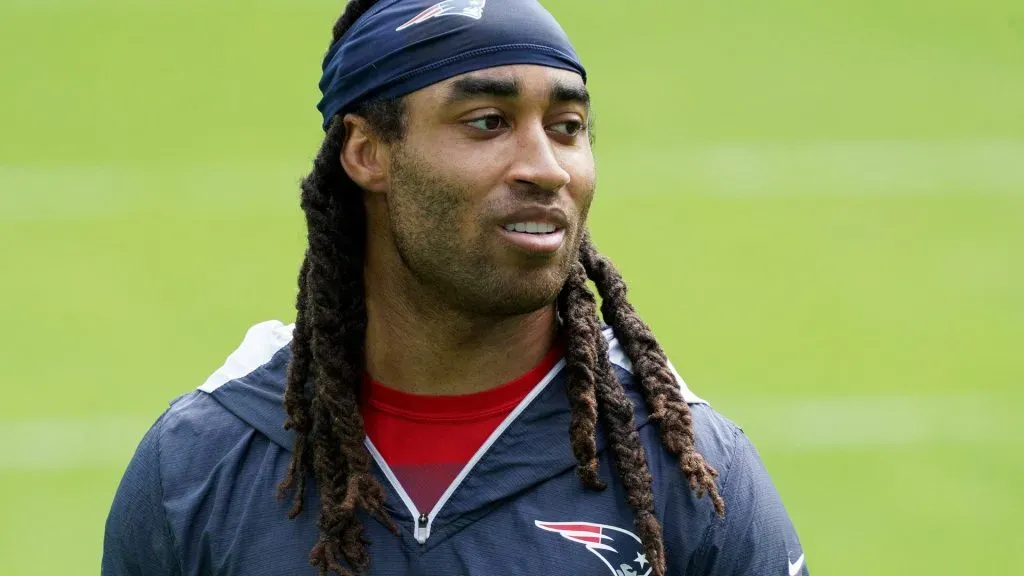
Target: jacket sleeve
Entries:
(138, 540)
(756, 536)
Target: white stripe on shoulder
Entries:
(619, 358)
(260, 344)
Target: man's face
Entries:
(490, 188)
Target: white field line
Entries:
(822, 168)
(798, 425)
(68, 443)
(30, 193)
(830, 168)
(829, 424)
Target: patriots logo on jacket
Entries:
(471, 8)
(620, 550)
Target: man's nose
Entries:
(537, 162)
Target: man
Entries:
(447, 401)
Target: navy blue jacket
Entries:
(198, 497)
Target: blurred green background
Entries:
(820, 207)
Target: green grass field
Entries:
(820, 207)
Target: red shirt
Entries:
(428, 440)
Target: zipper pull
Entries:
(421, 529)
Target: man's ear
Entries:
(363, 156)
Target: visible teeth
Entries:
(531, 227)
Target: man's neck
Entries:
(441, 351)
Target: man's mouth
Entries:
(532, 227)
(534, 237)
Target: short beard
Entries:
(463, 276)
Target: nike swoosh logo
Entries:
(794, 567)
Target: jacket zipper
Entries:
(421, 528)
(422, 531)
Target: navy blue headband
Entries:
(400, 46)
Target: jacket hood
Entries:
(251, 383)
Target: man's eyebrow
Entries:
(475, 87)
(562, 92)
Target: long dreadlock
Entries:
(326, 368)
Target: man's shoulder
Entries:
(194, 416)
(216, 455)
(194, 433)
(717, 437)
(719, 440)
(242, 396)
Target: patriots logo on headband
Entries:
(619, 550)
(471, 8)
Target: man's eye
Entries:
(488, 123)
(569, 127)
